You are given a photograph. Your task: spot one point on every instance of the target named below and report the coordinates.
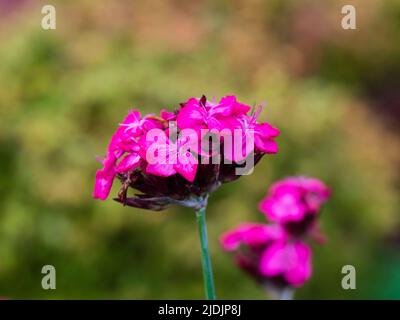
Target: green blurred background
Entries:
(333, 93)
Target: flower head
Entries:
(167, 157)
(275, 255)
(295, 202)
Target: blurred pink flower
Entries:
(295, 202)
(274, 255)
(268, 254)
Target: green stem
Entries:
(205, 255)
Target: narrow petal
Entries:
(266, 130)
(300, 268)
(191, 116)
(166, 115)
(187, 168)
(265, 145)
(161, 170)
(274, 260)
(291, 260)
(105, 177)
(283, 209)
(231, 240)
(224, 107)
(129, 162)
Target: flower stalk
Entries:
(205, 254)
(286, 294)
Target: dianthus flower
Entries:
(276, 255)
(180, 157)
(295, 202)
(186, 174)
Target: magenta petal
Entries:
(131, 124)
(224, 107)
(166, 115)
(234, 107)
(283, 209)
(231, 240)
(266, 130)
(129, 162)
(300, 268)
(237, 108)
(149, 124)
(191, 116)
(274, 260)
(253, 235)
(123, 138)
(105, 177)
(218, 123)
(292, 261)
(240, 108)
(161, 170)
(132, 117)
(188, 168)
(265, 145)
(260, 234)
(103, 184)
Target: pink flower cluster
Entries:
(273, 254)
(128, 155)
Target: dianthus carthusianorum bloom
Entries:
(295, 203)
(165, 159)
(276, 255)
(181, 156)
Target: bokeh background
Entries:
(334, 94)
